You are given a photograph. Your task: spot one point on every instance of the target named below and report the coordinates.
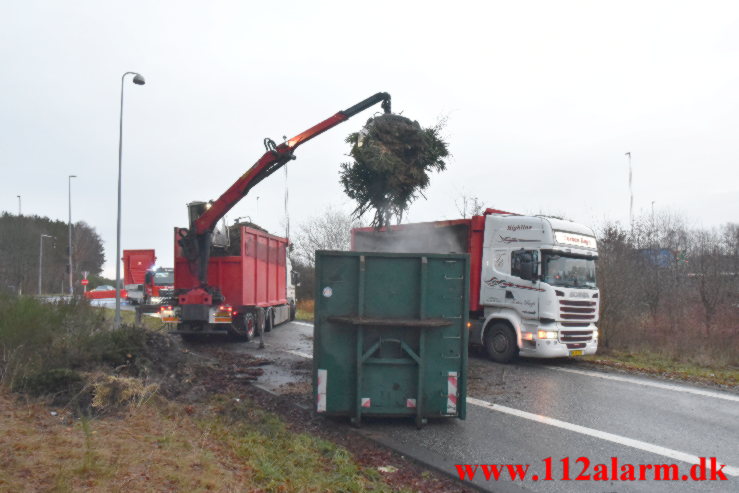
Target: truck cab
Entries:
(159, 285)
(538, 292)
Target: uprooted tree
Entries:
(393, 156)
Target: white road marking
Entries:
(299, 353)
(302, 323)
(629, 442)
(648, 383)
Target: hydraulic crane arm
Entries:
(196, 241)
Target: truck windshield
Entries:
(568, 272)
(163, 278)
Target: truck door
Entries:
(523, 292)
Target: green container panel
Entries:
(390, 336)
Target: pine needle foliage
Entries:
(392, 158)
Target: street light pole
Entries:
(138, 79)
(631, 195)
(41, 259)
(69, 184)
(19, 205)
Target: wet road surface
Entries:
(529, 411)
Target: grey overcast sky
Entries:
(543, 98)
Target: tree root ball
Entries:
(393, 156)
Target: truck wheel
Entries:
(243, 327)
(268, 321)
(500, 343)
(293, 310)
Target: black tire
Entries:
(293, 311)
(243, 327)
(269, 320)
(500, 342)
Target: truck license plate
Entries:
(576, 352)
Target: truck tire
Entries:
(293, 310)
(243, 327)
(500, 342)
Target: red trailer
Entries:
(253, 285)
(135, 265)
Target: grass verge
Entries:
(665, 366)
(225, 445)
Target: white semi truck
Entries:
(533, 290)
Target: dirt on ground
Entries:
(222, 376)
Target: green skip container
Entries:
(390, 335)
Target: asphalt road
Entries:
(526, 412)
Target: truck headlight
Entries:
(547, 334)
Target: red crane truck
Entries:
(532, 278)
(239, 293)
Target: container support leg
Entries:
(357, 420)
(419, 397)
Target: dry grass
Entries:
(128, 317)
(666, 365)
(224, 446)
(146, 450)
(305, 310)
(227, 445)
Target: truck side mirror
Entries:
(295, 278)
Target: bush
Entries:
(44, 346)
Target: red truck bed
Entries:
(455, 236)
(257, 277)
(135, 265)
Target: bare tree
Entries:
(469, 205)
(329, 231)
(711, 264)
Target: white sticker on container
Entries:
(451, 398)
(321, 394)
(327, 292)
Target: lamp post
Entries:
(138, 79)
(631, 195)
(69, 184)
(41, 259)
(19, 205)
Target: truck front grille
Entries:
(577, 310)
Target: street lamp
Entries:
(138, 79)
(41, 259)
(631, 195)
(19, 205)
(69, 184)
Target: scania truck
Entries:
(533, 289)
